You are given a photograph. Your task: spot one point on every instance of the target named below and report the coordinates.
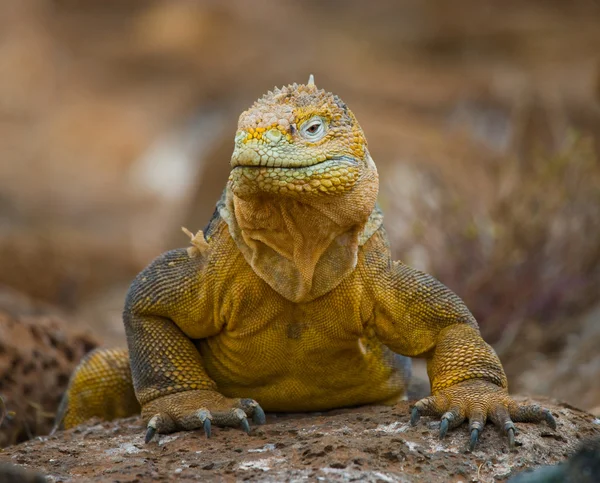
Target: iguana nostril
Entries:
(273, 135)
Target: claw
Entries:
(447, 418)
(511, 437)
(152, 424)
(245, 425)
(241, 415)
(150, 432)
(414, 416)
(205, 418)
(444, 427)
(258, 414)
(258, 417)
(474, 438)
(549, 419)
(207, 427)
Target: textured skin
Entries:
(290, 298)
(100, 372)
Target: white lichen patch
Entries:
(392, 428)
(167, 439)
(123, 448)
(411, 445)
(312, 429)
(342, 430)
(359, 475)
(438, 447)
(264, 464)
(265, 448)
(503, 467)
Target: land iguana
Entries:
(290, 301)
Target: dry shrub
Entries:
(526, 249)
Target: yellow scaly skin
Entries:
(290, 301)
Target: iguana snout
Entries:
(298, 141)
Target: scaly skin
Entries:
(290, 298)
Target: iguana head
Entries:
(302, 190)
(298, 141)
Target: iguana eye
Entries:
(314, 129)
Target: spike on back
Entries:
(311, 81)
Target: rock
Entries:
(582, 467)
(372, 443)
(37, 355)
(14, 474)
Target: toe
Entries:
(500, 416)
(235, 417)
(205, 418)
(159, 423)
(253, 409)
(241, 415)
(429, 406)
(450, 420)
(258, 416)
(531, 413)
(476, 424)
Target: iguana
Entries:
(290, 301)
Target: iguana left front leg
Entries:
(417, 316)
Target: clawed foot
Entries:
(477, 401)
(199, 409)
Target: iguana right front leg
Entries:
(167, 305)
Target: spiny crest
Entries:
(282, 105)
(301, 95)
(291, 92)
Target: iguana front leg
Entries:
(168, 304)
(417, 316)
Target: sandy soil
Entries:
(367, 444)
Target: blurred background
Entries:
(117, 121)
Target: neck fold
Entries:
(303, 248)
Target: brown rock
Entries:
(37, 355)
(372, 443)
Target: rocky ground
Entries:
(367, 444)
(37, 356)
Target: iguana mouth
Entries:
(243, 162)
(331, 176)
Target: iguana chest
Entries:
(298, 356)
